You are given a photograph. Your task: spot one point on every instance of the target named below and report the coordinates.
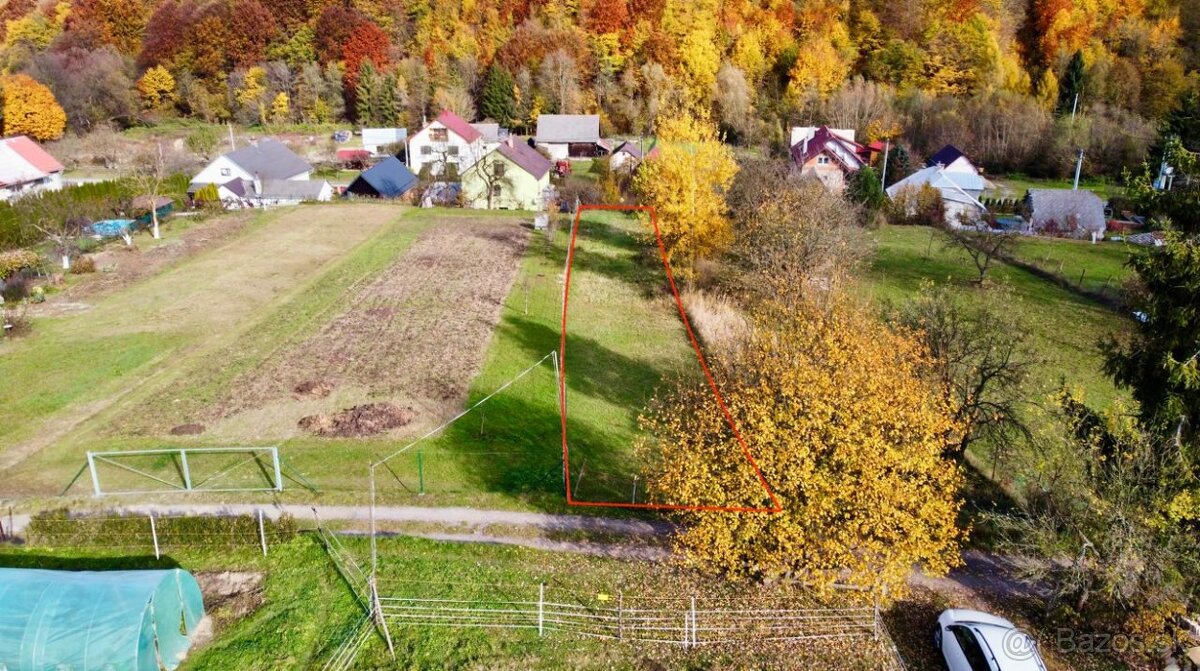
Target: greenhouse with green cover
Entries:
(96, 620)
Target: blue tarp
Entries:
(111, 228)
(389, 178)
(94, 620)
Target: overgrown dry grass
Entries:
(716, 320)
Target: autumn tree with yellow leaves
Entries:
(686, 183)
(849, 434)
(156, 87)
(31, 109)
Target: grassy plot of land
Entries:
(1015, 186)
(63, 379)
(304, 609)
(1063, 326)
(1099, 268)
(624, 338)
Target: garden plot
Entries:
(399, 357)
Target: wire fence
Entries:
(152, 532)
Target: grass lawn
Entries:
(305, 610)
(1064, 327)
(1015, 186)
(1101, 266)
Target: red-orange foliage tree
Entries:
(367, 42)
(333, 27)
(606, 16)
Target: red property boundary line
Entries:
(775, 507)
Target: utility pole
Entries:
(232, 146)
(1074, 107)
(1078, 167)
(887, 145)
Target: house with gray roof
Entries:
(1075, 213)
(235, 174)
(570, 136)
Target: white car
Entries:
(975, 641)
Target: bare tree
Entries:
(496, 177)
(858, 103)
(149, 175)
(559, 78)
(54, 218)
(981, 246)
(792, 236)
(734, 100)
(982, 360)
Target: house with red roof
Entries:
(513, 176)
(27, 168)
(829, 156)
(446, 146)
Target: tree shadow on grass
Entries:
(593, 370)
(634, 262)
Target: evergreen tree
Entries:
(496, 100)
(866, 189)
(1160, 364)
(1071, 84)
(899, 165)
(367, 95)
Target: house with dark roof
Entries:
(446, 146)
(1075, 213)
(951, 160)
(27, 168)
(513, 176)
(829, 157)
(240, 175)
(389, 178)
(570, 136)
(628, 155)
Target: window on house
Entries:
(426, 150)
(224, 172)
(498, 169)
(495, 189)
(452, 151)
(438, 134)
(822, 160)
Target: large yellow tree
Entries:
(686, 183)
(833, 406)
(31, 109)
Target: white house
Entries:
(570, 136)
(254, 176)
(26, 168)
(376, 140)
(447, 144)
(265, 160)
(828, 156)
(960, 191)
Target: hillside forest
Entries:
(1018, 84)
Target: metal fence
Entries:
(684, 621)
(153, 532)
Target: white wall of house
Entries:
(557, 150)
(50, 182)
(436, 145)
(961, 164)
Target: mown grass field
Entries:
(1064, 328)
(305, 609)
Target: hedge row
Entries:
(61, 529)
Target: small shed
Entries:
(135, 620)
(388, 179)
(1076, 213)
